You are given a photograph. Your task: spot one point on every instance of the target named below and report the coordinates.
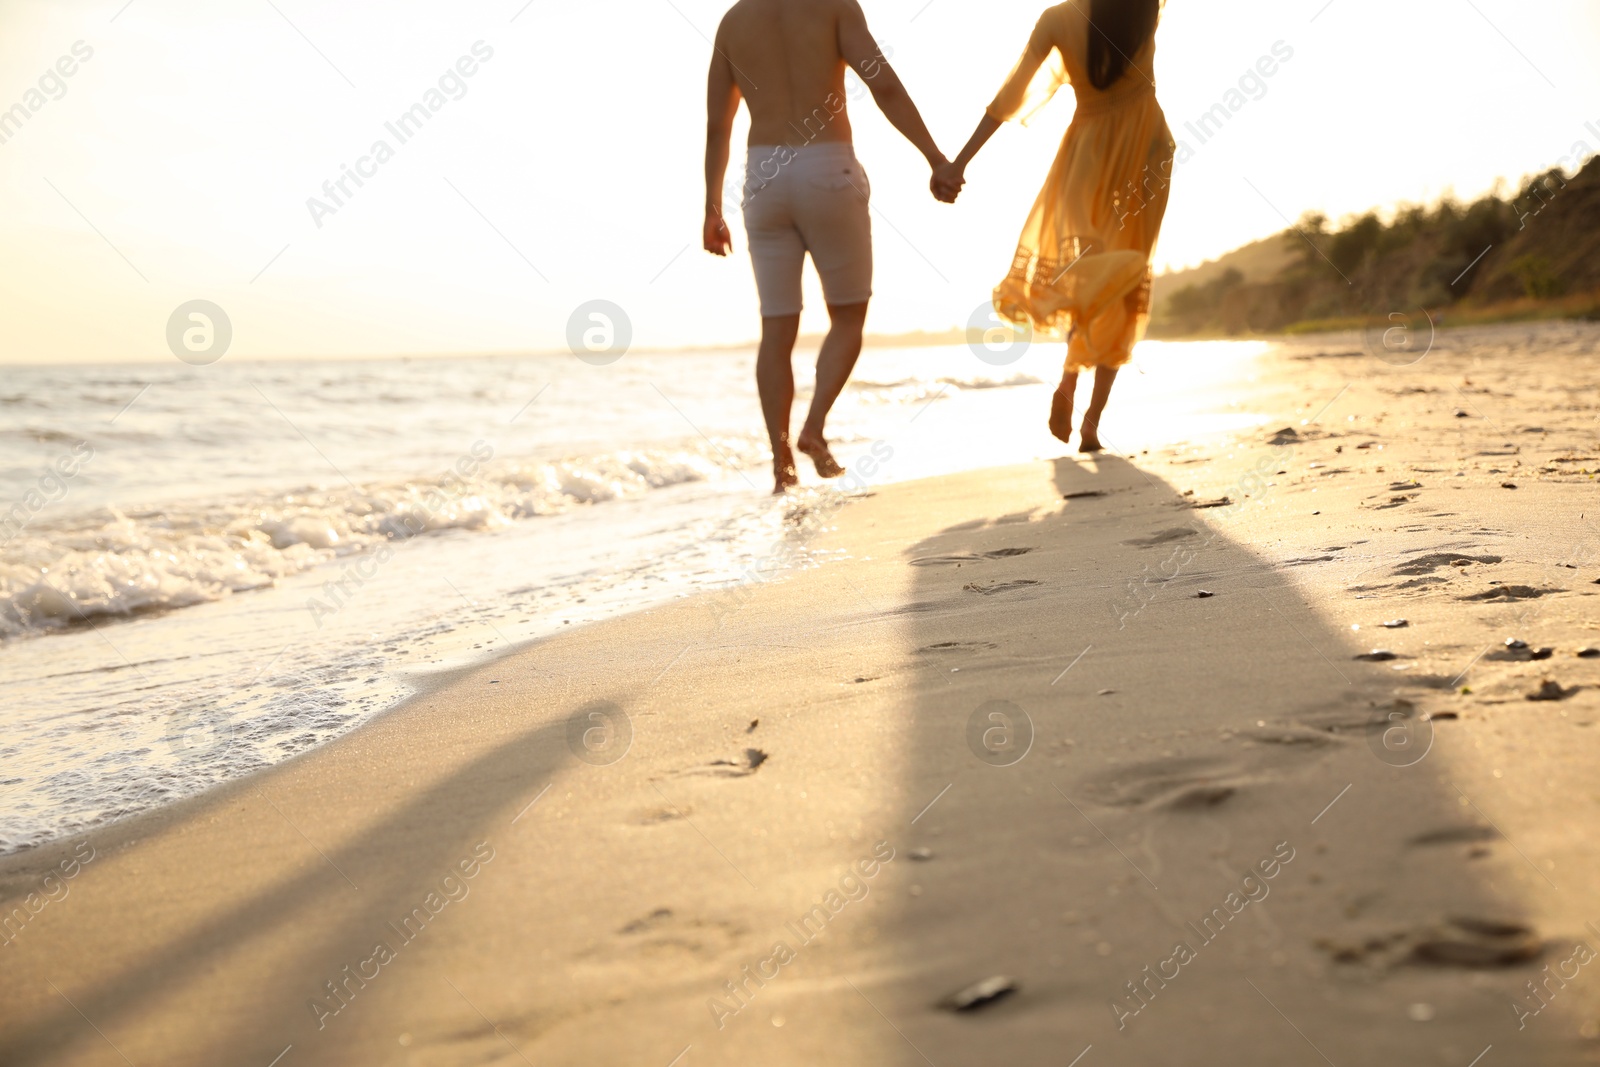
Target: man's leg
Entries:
(836, 360)
(775, 383)
(1104, 379)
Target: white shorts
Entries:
(813, 199)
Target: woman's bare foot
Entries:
(814, 446)
(1061, 416)
(1089, 437)
(785, 477)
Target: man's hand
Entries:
(715, 235)
(948, 180)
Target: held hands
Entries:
(715, 234)
(948, 179)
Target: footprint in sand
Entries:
(952, 560)
(995, 588)
(739, 767)
(1170, 785)
(1460, 941)
(664, 932)
(1455, 835)
(1511, 592)
(1164, 537)
(657, 816)
(959, 646)
(1432, 561)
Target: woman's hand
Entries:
(948, 180)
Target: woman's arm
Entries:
(948, 179)
(1012, 98)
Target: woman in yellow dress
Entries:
(1083, 262)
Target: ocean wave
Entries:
(1012, 382)
(913, 389)
(124, 562)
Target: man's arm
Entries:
(861, 52)
(722, 105)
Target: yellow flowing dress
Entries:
(1083, 261)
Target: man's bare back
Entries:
(786, 60)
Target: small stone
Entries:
(980, 994)
(921, 853)
(1542, 653)
(1204, 594)
(1508, 485)
(1589, 653)
(1396, 624)
(1516, 644)
(1378, 655)
(1551, 690)
(1105, 692)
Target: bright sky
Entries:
(175, 163)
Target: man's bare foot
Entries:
(1061, 416)
(1089, 437)
(817, 449)
(785, 477)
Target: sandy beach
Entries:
(1279, 744)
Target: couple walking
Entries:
(1083, 262)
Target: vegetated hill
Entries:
(1259, 261)
(1539, 249)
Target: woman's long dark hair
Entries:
(1117, 30)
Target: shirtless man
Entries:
(804, 190)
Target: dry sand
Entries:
(1426, 827)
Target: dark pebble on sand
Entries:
(1378, 655)
(1551, 690)
(1508, 485)
(1515, 644)
(752, 727)
(980, 994)
(1462, 414)
(1204, 593)
(1542, 653)
(1589, 653)
(1396, 624)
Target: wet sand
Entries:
(1100, 727)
